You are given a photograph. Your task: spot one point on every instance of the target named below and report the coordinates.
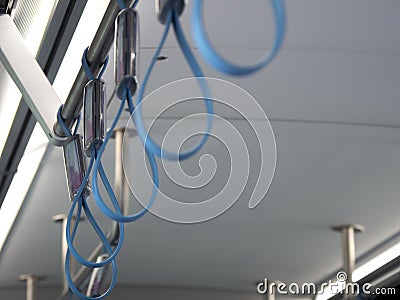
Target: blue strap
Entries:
(86, 67)
(75, 290)
(60, 121)
(80, 200)
(149, 143)
(68, 276)
(98, 169)
(82, 203)
(211, 55)
(64, 126)
(100, 234)
(121, 4)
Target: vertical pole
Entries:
(30, 288)
(272, 289)
(120, 183)
(64, 246)
(271, 293)
(348, 251)
(31, 281)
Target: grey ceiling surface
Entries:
(336, 79)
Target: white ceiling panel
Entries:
(328, 25)
(333, 98)
(326, 174)
(299, 85)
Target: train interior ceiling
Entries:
(318, 124)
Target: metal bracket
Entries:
(23, 68)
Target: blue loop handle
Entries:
(98, 169)
(149, 143)
(70, 238)
(68, 276)
(74, 289)
(211, 55)
(99, 233)
(81, 201)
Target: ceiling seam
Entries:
(283, 120)
(314, 50)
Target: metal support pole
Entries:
(121, 186)
(270, 295)
(268, 288)
(96, 56)
(348, 250)
(64, 246)
(272, 289)
(120, 183)
(31, 281)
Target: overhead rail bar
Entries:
(63, 22)
(96, 55)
